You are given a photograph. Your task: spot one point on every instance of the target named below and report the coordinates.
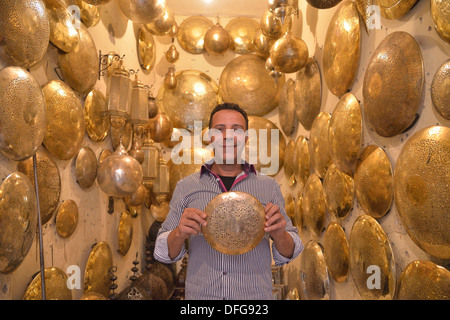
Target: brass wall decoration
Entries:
(440, 12)
(421, 192)
(24, 42)
(159, 210)
(286, 107)
(235, 222)
(323, 4)
(440, 89)
(18, 220)
(393, 83)
(162, 24)
(93, 296)
(345, 133)
(289, 53)
(272, 26)
(96, 275)
(394, 9)
(370, 251)
(308, 93)
(342, 49)
(66, 218)
(242, 30)
(55, 286)
(160, 127)
(142, 12)
(298, 213)
(246, 81)
(86, 167)
(314, 206)
(21, 94)
(89, 14)
(262, 44)
(146, 49)
(314, 280)
(336, 252)
(96, 122)
(319, 150)
(191, 33)
(301, 160)
(125, 233)
(217, 40)
(65, 120)
(339, 191)
(288, 163)
(103, 155)
(122, 136)
(424, 280)
(374, 182)
(365, 12)
(49, 182)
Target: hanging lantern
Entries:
(118, 96)
(172, 54)
(289, 54)
(217, 40)
(150, 164)
(162, 183)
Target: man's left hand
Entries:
(275, 222)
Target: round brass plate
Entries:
(319, 150)
(424, 280)
(371, 260)
(440, 12)
(394, 9)
(345, 133)
(65, 120)
(336, 251)
(141, 12)
(242, 30)
(86, 167)
(440, 90)
(96, 275)
(18, 220)
(125, 233)
(246, 81)
(421, 192)
(301, 160)
(146, 49)
(191, 33)
(235, 222)
(66, 218)
(323, 4)
(393, 83)
(63, 33)
(339, 192)
(314, 206)
(96, 121)
(286, 107)
(374, 182)
(314, 280)
(55, 286)
(20, 94)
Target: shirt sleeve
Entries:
(279, 259)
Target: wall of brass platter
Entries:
(421, 193)
(66, 219)
(339, 192)
(314, 280)
(314, 206)
(440, 12)
(319, 149)
(55, 286)
(191, 33)
(440, 89)
(125, 233)
(242, 30)
(336, 252)
(96, 276)
(86, 167)
(301, 160)
(96, 122)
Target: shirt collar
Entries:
(206, 167)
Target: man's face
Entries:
(228, 136)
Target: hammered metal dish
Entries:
(125, 233)
(301, 160)
(339, 190)
(314, 280)
(421, 192)
(394, 9)
(96, 274)
(86, 167)
(314, 206)
(288, 164)
(66, 219)
(96, 122)
(286, 107)
(146, 49)
(89, 14)
(191, 33)
(55, 286)
(323, 4)
(319, 150)
(440, 12)
(235, 222)
(440, 90)
(242, 31)
(336, 252)
(18, 220)
(139, 11)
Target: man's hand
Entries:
(191, 222)
(275, 224)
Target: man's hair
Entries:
(229, 106)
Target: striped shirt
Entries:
(211, 274)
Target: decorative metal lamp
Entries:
(149, 165)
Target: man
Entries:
(211, 274)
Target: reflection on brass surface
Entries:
(96, 121)
(124, 135)
(336, 251)
(341, 49)
(63, 33)
(314, 280)
(49, 182)
(319, 150)
(66, 219)
(89, 14)
(93, 296)
(339, 192)
(374, 182)
(55, 286)
(24, 32)
(440, 89)
(125, 233)
(65, 120)
(191, 33)
(289, 162)
(20, 94)
(18, 220)
(246, 81)
(289, 53)
(80, 66)
(301, 160)
(242, 30)
(146, 49)
(141, 12)
(323, 4)
(421, 192)
(370, 251)
(440, 12)
(86, 167)
(393, 83)
(217, 40)
(193, 99)
(308, 93)
(424, 280)
(286, 107)
(96, 275)
(314, 206)
(394, 9)
(235, 222)
(345, 133)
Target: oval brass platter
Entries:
(440, 89)
(63, 33)
(314, 280)
(49, 182)
(394, 9)
(336, 252)
(18, 220)
(345, 133)
(66, 219)
(22, 106)
(393, 83)
(242, 30)
(288, 164)
(341, 49)
(314, 206)
(371, 256)
(323, 4)
(125, 233)
(55, 286)
(96, 122)
(246, 81)
(191, 33)
(374, 182)
(421, 192)
(24, 32)
(86, 167)
(286, 107)
(235, 222)
(301, 160)
(319, 150)
(96, 275)
(440, 12)
(193, 99)
(339, 192)
(146, 49)
(424, 280)
(80, 66)
(308, 93)
(298, 213)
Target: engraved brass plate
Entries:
(191, 33)
(147, 49)
(336, 252)
(440, 12)
(314, 280)
(86, 167)
(96, 122)
(125, 233)
(394, 9)
(301, 160)
(289, 162)
(286, 107)
(314, 206)
(440, 90)
(242, 30)
(319, 150)
(339, 192)
(55, 286)
(66, 219)
(96, 275)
